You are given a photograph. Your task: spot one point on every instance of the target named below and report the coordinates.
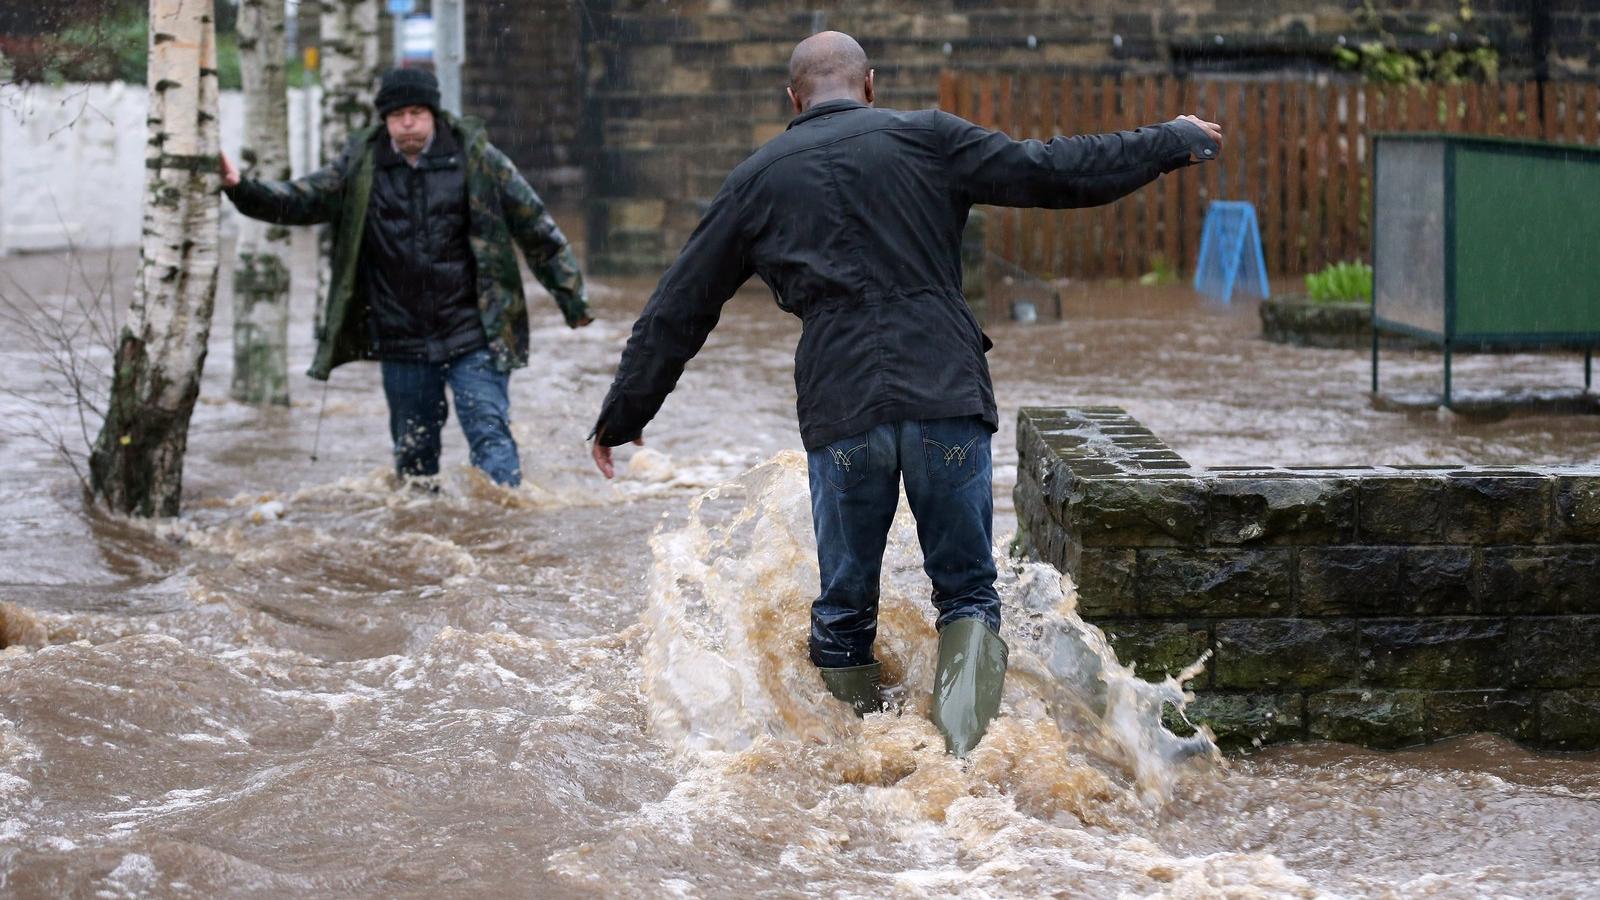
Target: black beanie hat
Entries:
(407, 87)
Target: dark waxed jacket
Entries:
(853, 217)
(504, 211)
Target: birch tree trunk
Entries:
(137, 461)
(349, 70)
(261, 274)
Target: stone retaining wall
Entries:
(1341, 326)
(1379, 605)
(1345, 326)
(1296, 320)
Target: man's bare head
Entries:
(829, 65)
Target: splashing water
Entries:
(727, 666)
(771, 766)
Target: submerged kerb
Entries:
(1378, 605)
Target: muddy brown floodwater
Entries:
(318, 684)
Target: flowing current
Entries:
(320, 683)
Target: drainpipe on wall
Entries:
(450, 29)
(1539, 37)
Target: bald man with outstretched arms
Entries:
(853, 217)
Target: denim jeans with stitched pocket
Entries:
(417, 411)
(855, 489)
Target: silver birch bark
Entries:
(349, 70)
(261, 273)
(137, 462)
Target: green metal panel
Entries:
(1526, 222)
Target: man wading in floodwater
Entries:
(428, 215)
(854, 217)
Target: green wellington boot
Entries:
(855, 685)
(968, 683)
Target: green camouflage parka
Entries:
(503, 208)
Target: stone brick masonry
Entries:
(1378, 605)
(524, 76)
(643, 106)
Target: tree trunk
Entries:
(349, 83)
(261, 275)
(349, 70)
(137, 461)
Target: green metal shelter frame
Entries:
(1514, 226)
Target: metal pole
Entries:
(1446, 374)
(399, 23)
(1588, 369)
(1374, 359)
(450, 29)
(309, 109)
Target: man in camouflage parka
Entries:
(426, 213)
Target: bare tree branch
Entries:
(71, 337)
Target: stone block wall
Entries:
(682, 90)
(1378, 605)
(524, 76)
(642, 106)
(1290, 319)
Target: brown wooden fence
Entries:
(1298, 150)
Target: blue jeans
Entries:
(855, 488)
(417, 411)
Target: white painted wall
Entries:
(72, 162)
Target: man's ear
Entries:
(794, 100)
(870, 74)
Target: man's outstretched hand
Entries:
(230, 172)
(1212, 130)
(602, 456)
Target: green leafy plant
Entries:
(1383, 60)
(1344, 282)
(1161, 272)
